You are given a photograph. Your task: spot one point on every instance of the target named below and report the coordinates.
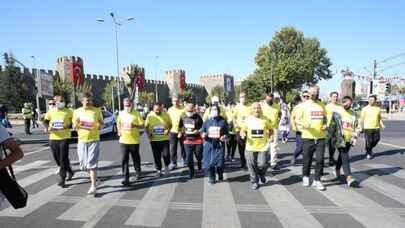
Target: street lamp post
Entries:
(116, 24)
(157, 78)
(37, 79)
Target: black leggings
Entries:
(60, 152)
(344, 160)
(160, 149)
(372, 138)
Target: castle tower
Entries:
(224, 80)
(176, 80)
(348, 85)
(71, 68)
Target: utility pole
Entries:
(38, 81)
(374, 76)
(157, 78)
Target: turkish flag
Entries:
(182, 80)
(76, 74)
(140, 80)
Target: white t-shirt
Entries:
(3, 137)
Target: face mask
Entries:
(60, 105)
(128, 109)
(51, 106)
(214, 113)
(189, 114)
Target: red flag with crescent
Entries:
(183, 80)
(76, 74)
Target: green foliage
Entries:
(290, 60)
(16, 88)
(107, 94)
(67, 89)
(253, 87)
(186, 95)
(130, 79)
(219, 91)
(146, 98)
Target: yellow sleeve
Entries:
(47, 116)
(119, 120)
(99, 116)
(74, 118)
(139, 120)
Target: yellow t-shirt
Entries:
(175, 115)
(272, 113)
(60, 121)
(87, 122)
(371, 116)
(348, 123)
(240, 114)
(257, 133)
(294, 112)
(157, 125)
(314, 115)
(129, 134)
(330, 109)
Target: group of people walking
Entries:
(252, 129)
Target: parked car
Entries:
(110, 126)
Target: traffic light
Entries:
(388, 88)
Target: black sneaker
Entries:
(221, 177)
(276, 167)
(61, 183)
(126, 182)
(244, 168)
(137, 176)
(70, 175)
(263, 179)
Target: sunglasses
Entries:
(305, 96)
(51, 103)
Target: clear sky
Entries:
(201, 37)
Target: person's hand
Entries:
(166, 132)
(222, 138)
(324, 127)
(203, 135)
(242, 135)
(179, 135)
(382, 126)
(46, 131)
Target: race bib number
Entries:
(126, 126)
(189, 128)
(158, 130)
(57, 124)
(257, 133)
(214, 132)
(317, 115)
(347, 125)
(86, 124)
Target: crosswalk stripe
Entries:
(32, 165)
(398, 173)
(289, 211)
(392, 191)
(360, 207)
(219, 208)
(37, 177)
(43, 197)
(152, 209)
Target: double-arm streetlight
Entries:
(116, 24)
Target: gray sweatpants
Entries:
(257, 164)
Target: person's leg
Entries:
(55, 151)
(331, 148)
(182, 150)
(173, 148)
(241, 149)
(136, 158)
(228, 147)
(233, 146)
(64, 160)
(307, 155)
(346, 160)
(339, 162)
(27, 123)
(319, 156)
(251, 163)
(376, 138)
(262, 164)
(369, 139)
(211, 174)
(199, 155)
(274, 149)
(156, 155)
(165, 148)
(298, 145)
(125, 160)
(189, 158)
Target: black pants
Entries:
(174, 141)
(27, 123)
(312, 146)
(211, 173)
(241, 149)
(60, 152)
(160, 149)
(133, 150)
(34, 123)
(331, 147)
(344, 160)
(298, 144)
(231, 146)
(191, 151)
(372, 138)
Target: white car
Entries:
(110, 126)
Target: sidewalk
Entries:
(394, 116)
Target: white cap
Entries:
(214, 99)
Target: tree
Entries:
(186, 95)
(107, 94)
(66, 88)
(133, 78)
(253, 87)
(290, 61)
(146, 98)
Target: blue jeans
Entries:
(298, 145)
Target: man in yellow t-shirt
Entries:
(272, 111)
(331, 108)
(241, 112)
(371, 122)
(348, 129)
(298, 135)
(58, 122)
(313, 122)
(88, 121)
(157, 126)
(129, 122)
(257, 130)
(176, 112)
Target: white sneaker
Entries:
(57, 171)
(167, 170)
(318, 185)
(92, 190)
(305, 181)
(172, 166)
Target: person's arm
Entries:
(118, 123)
(15, 155)
(46, 122)
(100, 120)
(382, 125)
(181, 128)
(139, 122)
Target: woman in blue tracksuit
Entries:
(214, 131)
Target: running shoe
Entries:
(92, 190)
(351, 182)
(255, 186)
(318, 185)
(305, 181)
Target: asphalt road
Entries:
(174, 201)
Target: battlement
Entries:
(71, 59)
(214, 76)
(175, 72)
